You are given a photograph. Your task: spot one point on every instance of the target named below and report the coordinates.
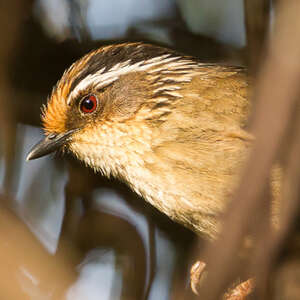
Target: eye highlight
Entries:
(88, 104)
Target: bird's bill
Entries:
(49, 144)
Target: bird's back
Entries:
(201, 147)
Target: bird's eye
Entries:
(88, 104)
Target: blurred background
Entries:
(66, 232)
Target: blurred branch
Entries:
(95, 228)
(26, 267)
(100, 229)
(9, 39)
(78, 19)
(276, 95)
(257, 23)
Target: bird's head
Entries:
(106, 105)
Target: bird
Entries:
(173, 128)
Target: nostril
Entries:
(52, 136)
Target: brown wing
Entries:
(203, 144)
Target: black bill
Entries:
(49, 144)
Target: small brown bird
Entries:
(168, 125)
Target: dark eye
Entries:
(88, 104)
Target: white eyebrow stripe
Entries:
(102, 79)
(119, 65)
